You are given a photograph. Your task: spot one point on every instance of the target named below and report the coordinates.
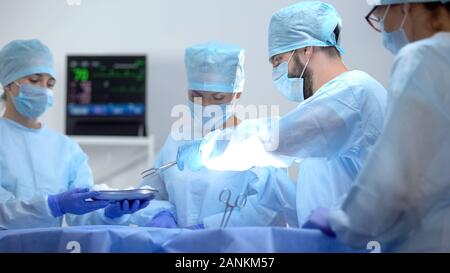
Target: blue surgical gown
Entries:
(402, 197)
(35, 163)
(193, 197)
(329, 134)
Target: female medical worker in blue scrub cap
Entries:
(402, 197)
(43, 174)
(215, 77)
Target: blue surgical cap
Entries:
(21, 58)
(215, 67)
(310, 23)
(392, 2)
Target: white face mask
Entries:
(291, 88)
(395, 40)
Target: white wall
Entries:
(162, 29)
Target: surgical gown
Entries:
(330, 134)
(402, 197)
(35, 163)
(193, 197)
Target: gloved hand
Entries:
(74, 202)
(164, 219)
(119, 208)
(196, 227)
(189, 155)
(319, 219)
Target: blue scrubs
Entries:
(329, 134)
(402, 198)
(35, 163)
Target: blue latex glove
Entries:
(74, 202)
(196, 227)
(119, 208)
(319, 219)
(189, 155)
(164, 219)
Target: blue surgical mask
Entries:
(291, 88)
(212, 116)
(32, 100)
(395, 40)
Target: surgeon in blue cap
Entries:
(401, 198)
(44, 175)
(337, 122)
(190, 199)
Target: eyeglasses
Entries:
(374, 21)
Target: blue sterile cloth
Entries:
(88, 239)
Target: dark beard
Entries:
(307, 76)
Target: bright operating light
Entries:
(240, 156)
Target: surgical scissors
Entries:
(224, 197)
(154, 171)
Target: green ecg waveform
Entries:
(103, 72)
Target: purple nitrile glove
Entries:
(319, 219)
(76, 201)
(119, 208)
(164, 219)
